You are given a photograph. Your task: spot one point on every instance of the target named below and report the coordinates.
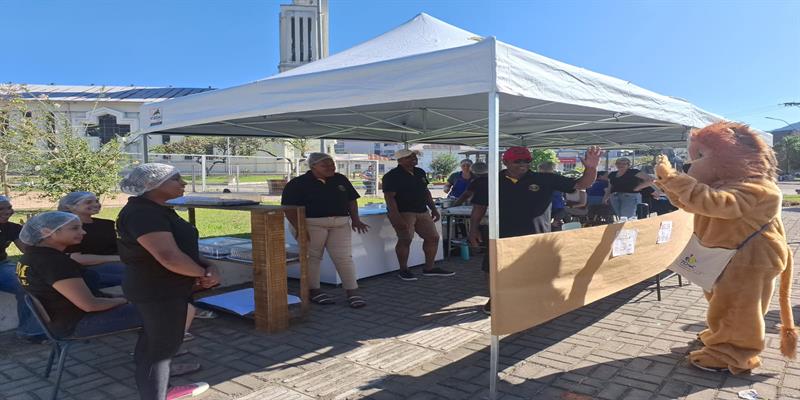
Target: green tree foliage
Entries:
(788, 153)
(42, 145)
(542, 155)
(443, 165)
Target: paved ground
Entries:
(428, 340)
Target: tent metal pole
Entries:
(494, 222)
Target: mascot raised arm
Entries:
(731, 189)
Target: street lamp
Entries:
(788, 151)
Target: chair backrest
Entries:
(40, 314)
(570, 225)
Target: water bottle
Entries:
(465, 251)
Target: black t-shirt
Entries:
(625, 183)
(523, 200)
(38, 269)
(145, 278)
(9, 232)
(411, 190)
(100, 239)
(329, 197)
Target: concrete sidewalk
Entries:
(429, 340)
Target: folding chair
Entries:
(61, 345)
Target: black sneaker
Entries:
(406, 275)
(437, 272)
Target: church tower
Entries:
(304, 32)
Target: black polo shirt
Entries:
(411, 190)
(9, 232)
(145, 278)
(100, 238)
(38, 269)
(329, 197)
(625, 183)
(523, 200)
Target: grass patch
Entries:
(791, 200)
(210, 223)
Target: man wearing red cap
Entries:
(524, 195)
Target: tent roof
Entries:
(427, 82)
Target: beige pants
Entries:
(332, 233)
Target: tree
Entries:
(542, 155)
(787, 152)
(17, 133)
(45, 148)
(443, 164)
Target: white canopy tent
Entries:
(430, 82)
(426, 81)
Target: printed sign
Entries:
(625, 243)
(155, 117)
(664, 232)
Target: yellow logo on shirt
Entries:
(534, 188)
(22, 273)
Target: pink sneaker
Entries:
(186, 391)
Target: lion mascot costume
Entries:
(731, 189)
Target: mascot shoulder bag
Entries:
(703, 265)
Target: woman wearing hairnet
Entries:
(55, 279)
(98, 249)
(331, 211)
(161, 253)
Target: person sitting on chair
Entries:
(97, 252)
(49, 275)
(28, 328)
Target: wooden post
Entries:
(302, 242)
(269, 271)
(192, 216)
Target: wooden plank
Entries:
(302, 241)
(269, 271)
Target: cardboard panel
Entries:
(539, 277)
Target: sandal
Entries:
(356, 301)
(323, 299)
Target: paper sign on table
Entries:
(625, 243)
(664, 232)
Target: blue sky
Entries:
(735, 58)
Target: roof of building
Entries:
(139, 94)
(795, 127)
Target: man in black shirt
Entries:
(524, 195)
(408, 199)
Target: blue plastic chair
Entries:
(60, 345)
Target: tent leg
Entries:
(494, 358)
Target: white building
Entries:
(103, 112)
(303, 33)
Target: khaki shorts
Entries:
(421, 223)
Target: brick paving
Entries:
(429, 340)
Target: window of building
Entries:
(308, 21)
(293, 53)
(301, 40)
(107, 129)
(51, 123)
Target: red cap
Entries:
(516, 153)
